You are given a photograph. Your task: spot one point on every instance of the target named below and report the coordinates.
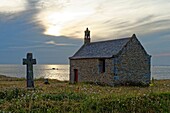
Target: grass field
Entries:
(83, 97)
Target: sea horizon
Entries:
(61, 71)
(66, 64)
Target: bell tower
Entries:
(87, 36)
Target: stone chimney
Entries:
(87, 36)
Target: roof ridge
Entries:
(101, 49)
(109, 40)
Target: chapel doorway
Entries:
(75, 75)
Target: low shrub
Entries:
(64, 96)
(12, 93)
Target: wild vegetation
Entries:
(83, 97)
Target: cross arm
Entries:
(33, 61)
(25, 61)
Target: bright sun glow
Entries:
(53, 30)
(55, 21)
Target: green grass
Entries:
(83, 97)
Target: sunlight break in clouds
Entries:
(57, 20)
(12, 6)
(54, 20)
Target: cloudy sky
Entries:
(53, 30)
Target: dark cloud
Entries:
(19, 27)
(21, 33)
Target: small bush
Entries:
(64, 96)
(133, 83)
(11, 94)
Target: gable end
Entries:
(137, 41)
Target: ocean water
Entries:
(160, 72)
(61, 72)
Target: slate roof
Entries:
(103, 49)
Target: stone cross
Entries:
(29, 62)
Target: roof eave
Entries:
(73, 58)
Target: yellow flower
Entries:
(151, 85)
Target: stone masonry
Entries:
(130, 64)
(88, 71)
(133, 64)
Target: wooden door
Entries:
(75, 75)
